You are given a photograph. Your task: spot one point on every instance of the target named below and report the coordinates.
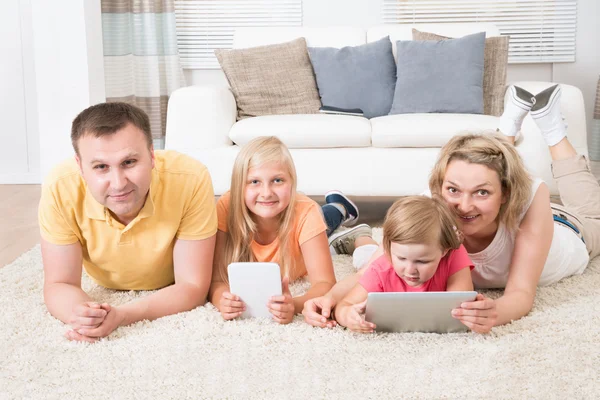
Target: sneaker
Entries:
(518, 105)
(343, 242)
(335, 196)
(547, 116)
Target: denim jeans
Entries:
(333, 218)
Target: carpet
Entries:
(554, 352)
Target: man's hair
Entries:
(108, 118)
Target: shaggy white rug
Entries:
(554, 352)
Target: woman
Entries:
(515, 237)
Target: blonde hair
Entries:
(496, 153)
(241, 228)
(420, 219)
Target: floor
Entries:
(18, 225)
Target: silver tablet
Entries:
(416, 311)
(255, 283)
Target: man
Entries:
(135, 218)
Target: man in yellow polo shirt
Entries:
(135, 218)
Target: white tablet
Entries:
(416, 311)
(255, 283)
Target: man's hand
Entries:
(317, 312)
(88, 315)
(282, 307)
(113, 319)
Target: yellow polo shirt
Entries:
(138, 256)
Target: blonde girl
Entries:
(264, 219)
(422, 252)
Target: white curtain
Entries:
(141, 60)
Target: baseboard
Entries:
(27, 178)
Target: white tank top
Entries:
(567, 256)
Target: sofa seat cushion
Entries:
(426, 130)
(305, 131)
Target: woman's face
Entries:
(474, 193)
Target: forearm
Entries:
(343, 287)
(216, 291)
(316, 290)
(513, 305)
(173, 299)
(60, 298)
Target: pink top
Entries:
(381, 276)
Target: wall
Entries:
(51, 69)
(583, 73)
(19, 148)
(69, 71)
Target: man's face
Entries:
(117, 169)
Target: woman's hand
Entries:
(352, 317)
(282, 307)
(231, 306)
(479, 315)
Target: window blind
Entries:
(539, 30)
(206, 25)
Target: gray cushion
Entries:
(443, 76)
(356, 77)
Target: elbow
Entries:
(197, 294)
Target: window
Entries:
(539, 30)
(206, 25)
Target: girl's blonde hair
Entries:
(419, 220)
(496, 153)
(241, 228)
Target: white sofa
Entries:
(385, 156)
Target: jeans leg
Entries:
(333, 218)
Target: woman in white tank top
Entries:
(515, 237)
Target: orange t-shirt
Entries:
(308, 223)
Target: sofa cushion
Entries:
(444, 76)
(306, 131)
(494, 69)
(274, 79)
(426, 130)
(356, 76)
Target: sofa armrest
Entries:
(200, 117)
(571, 106)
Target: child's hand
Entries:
(231, 306)
(282, 307)
(352, 317)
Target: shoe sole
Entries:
(351, 220)
(550, 103)
(519, 102)
(336, 236)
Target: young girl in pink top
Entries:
(422, 253)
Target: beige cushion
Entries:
(274, 79)
(494, 69)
